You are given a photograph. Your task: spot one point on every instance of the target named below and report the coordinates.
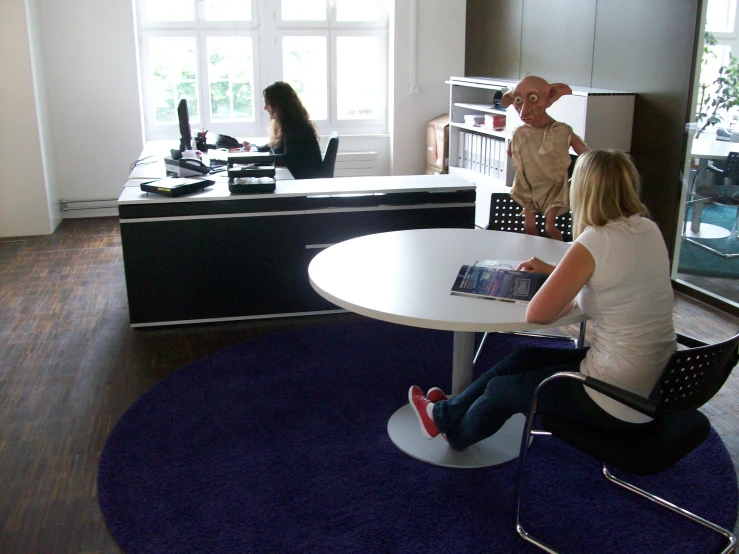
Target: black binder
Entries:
(176, 186)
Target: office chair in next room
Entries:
(726, 194)
(690, 378)
(329, 157)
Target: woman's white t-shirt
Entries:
(629, 300)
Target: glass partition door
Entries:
(707, 250)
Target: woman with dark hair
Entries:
(292, 135)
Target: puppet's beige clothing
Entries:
(541, 157)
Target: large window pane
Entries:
(231, 78)
(173, 73)
(303, 10)
(304, 67)
(720, 16)
(227, 10)
(357, 77)
(170, 10)
(353, 10)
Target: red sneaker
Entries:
(420, 405)
(435, 394)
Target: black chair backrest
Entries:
(571, 168)
(691, 377)
(329, 157)
(504, 216)
(731, 168)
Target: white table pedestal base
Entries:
(707, 231)
(405, 433)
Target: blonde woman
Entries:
(617, 270)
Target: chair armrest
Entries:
(628, 398)
(632, 400)
(690, 342)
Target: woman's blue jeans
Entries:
(508, 388)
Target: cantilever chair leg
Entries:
(528, 434)
(680, 511)
(579, 342)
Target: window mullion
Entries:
(203, 87)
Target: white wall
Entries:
(440, 55)
(86, 121)
(23, 194)
(90, 56)
(40, 87)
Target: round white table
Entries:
(405, 277)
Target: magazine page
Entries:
(508, 285)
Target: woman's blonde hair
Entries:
(605, 187)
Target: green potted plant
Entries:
(716, 97)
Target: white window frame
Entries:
(276, 68)
(233, 128)
(732, 34)
(266, 30)
(360, 126)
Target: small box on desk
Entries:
(433, 170)
(437, 142)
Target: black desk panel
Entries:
(199, 260)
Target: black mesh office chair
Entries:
(690, 378)
(726, 194)
(504, 216)
(329, 157)
(504, 213)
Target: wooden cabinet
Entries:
(603, 118)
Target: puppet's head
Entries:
(531, 98)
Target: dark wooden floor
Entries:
(71, 366)
(725, 288)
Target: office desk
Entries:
(406, 277)
(214, 256)
(151, 165)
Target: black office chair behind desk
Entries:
(329, 157)
(690, 378)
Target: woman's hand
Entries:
(536, 265)
(246, 145)
(555, 297)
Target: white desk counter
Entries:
(371, 185)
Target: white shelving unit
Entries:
(603, 118)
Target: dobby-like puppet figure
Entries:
(540, 151)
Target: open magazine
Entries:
(497, 280)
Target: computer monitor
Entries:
(184, 119)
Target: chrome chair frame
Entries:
(696, 199)
(650, 407)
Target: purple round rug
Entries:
(279, 444)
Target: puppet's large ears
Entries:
(557, 90)
(507, 99)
